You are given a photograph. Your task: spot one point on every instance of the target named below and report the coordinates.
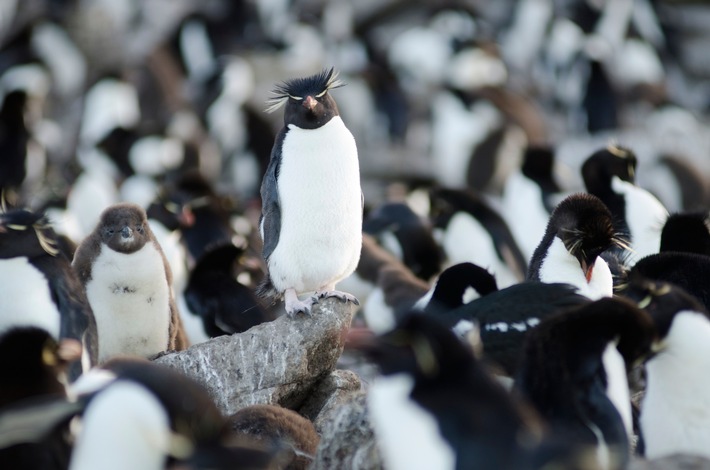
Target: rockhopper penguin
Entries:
(311, 220)
(128, 282)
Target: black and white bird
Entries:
(38, 287)
(505, 317)
(141, 415)
(675, 411)
(435, 406)
(579, 231)
(128, 283)
(475, 232)
(573, 371)
(311, 219)
(609, 174)
(457, 285)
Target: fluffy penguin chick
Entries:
(128, 283)
(311, 219)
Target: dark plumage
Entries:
(688, 232)
(566, 375)
(453, 284)
(505, 317)
(299, 88)
(539, 165)
(14, 137)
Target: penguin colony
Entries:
(513, 194)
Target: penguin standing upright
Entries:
(311, 220)
(128, 282)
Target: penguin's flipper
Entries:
(271, 207)
(34, 420)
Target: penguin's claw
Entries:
(344, 296)
(300, 306)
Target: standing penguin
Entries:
(128, 282)
(311, 220)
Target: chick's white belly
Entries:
(130, 298)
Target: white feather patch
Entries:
(617, 387)
(125, 426)
(130, 297)
(25, 299)
(407, 435)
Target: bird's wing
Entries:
(270, 205)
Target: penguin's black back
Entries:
(687, 232)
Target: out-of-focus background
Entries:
(106, 100)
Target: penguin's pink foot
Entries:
(344, 296)
(295, 306)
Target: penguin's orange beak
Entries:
(310, 103)
(588, 269)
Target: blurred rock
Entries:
(273, 363)
(327, 396)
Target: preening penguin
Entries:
(311, 220)
(128, 282)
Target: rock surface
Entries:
(273, 363)
(334, 391)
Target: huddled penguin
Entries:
(311, 220)
(402, 232)
(687, 232)
(435, 406)
(579, 231)
(675, 411)
(38, 286)
(573, 371)
(145, 416)
(128, 283)
(457, 285)
(475, 232)
(505, 317)
(609, 174)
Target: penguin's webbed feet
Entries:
(295, 306)
(344, 296)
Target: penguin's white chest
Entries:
(130, 297)
(321, 208)
(25, 298)
(560, 266)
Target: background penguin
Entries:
(402, 232)
(128, 283)
(311, 220)
(38, 286)
(273, 423)
(435, 406)
(475, 232)
(579, 230)
(457, 285)
(573, 371)
(505, 317)
(609, 174)
(148, 416)
(675, 411)
(33, 368)
(688, 232)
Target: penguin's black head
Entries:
(661, 300)
(538, 165)
(390, 216)
(687, 232)
(598, 169)
(454, 282)
(584, 224)
(307, 100)
(124, 228)
(26, 233)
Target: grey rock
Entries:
(329, 395)
(347, 439)
(273, 363)
(672, 462)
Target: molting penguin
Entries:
(38, 287)
(675, 412)
(311, 219)
(129, 286)
(609, 174)
(573, 371)
(579, 230)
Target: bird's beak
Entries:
(310, 103)
(126, 232)
(588, 268)
(186, 217)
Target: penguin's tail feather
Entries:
(266, 290)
